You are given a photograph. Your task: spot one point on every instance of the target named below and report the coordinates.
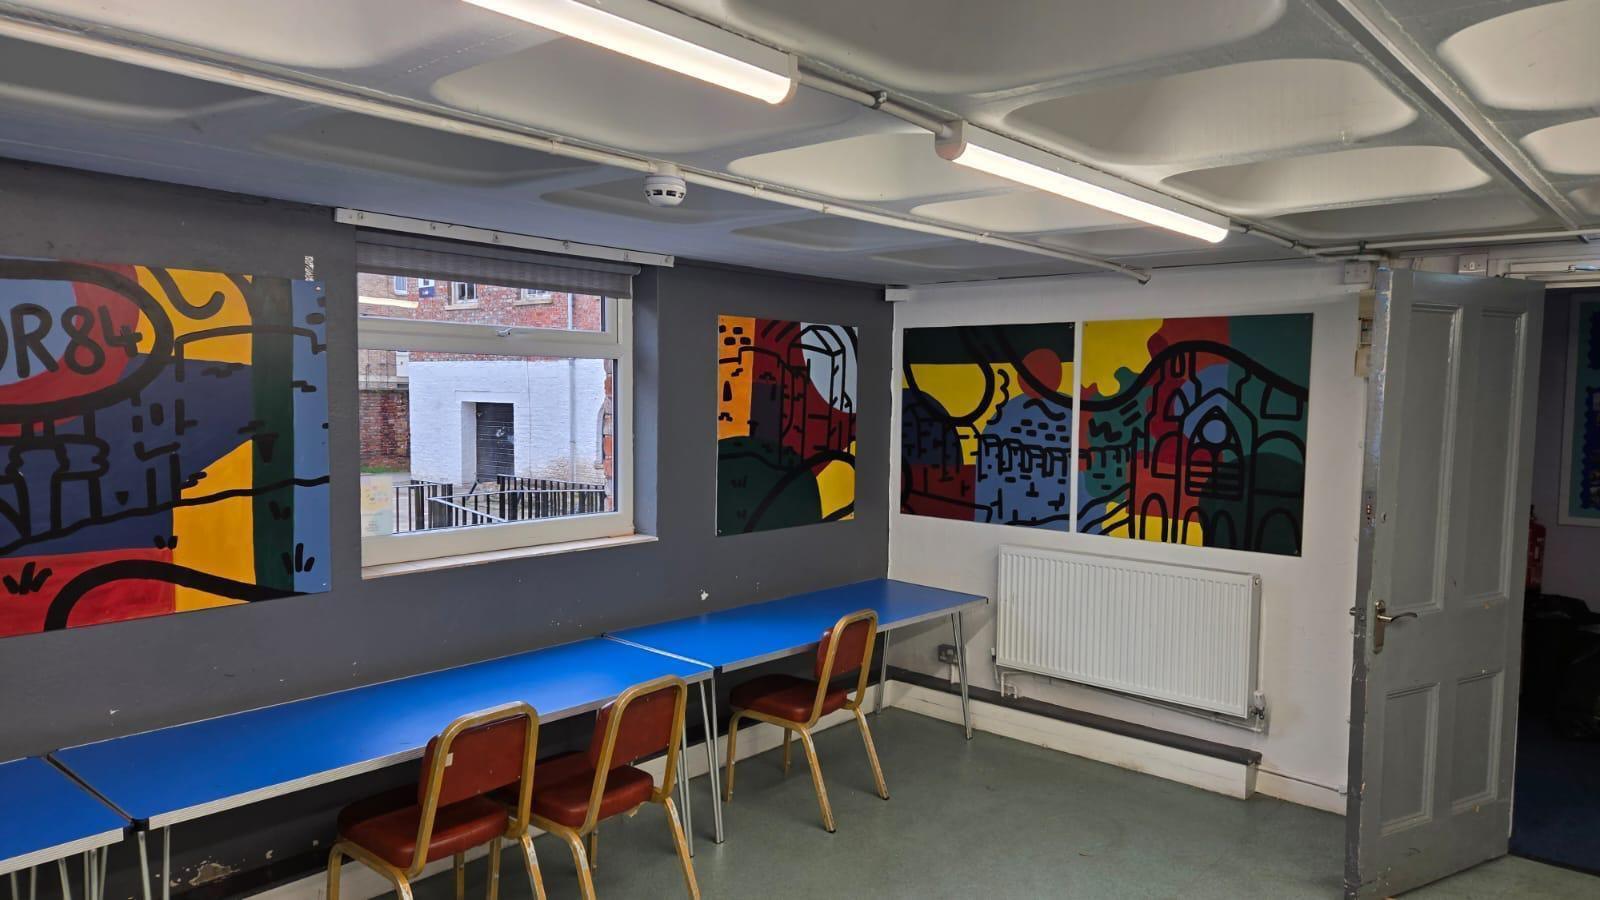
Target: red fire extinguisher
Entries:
(1536, 534)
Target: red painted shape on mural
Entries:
(105, 308)
(28, 584)
(930, 491)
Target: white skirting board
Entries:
(1205, 772)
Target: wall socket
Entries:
(947, 654)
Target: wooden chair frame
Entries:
(662, 793)
(516, 828)
(803, 729)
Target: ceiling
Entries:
(1282, 114)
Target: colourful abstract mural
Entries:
(1580, 504)
(164, 434)
(986, 424)
(786, 423)
(1193, 431)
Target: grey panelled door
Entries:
(1449, 456)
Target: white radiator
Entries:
(1176, 634)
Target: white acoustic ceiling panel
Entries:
(959, 46)
(416, 152)
(1413, 217)
(625, 197)
(1228, 111)
(576, 89)
(1342, 177)
(1544, 57)
(1571, 148)
(1017, 212)
(313, 34)
(868, 167)
(59, 82)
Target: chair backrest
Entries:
(645, 727)
(847, 646)
(477, 753)
(644, 719)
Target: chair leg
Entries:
(460, 863)
(786, 737)
(535, 880)
(580, 861)
(494, 869)
(683, 848)
(733, 748)
(335, 867)
(594, 849)
(872, 754)
(402, 887)
(816, 780)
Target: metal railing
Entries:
(426, 505)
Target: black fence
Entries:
(426, 505)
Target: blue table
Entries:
(732, 639)
(161, 778)
(46, 817)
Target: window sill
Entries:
(412, 567)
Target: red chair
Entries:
(575, 792)
(449, 812)
(795, 704)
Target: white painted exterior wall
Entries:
(556, 406)
(1305, 629)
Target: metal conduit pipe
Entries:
(404, 110)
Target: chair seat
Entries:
(386, 824)
(786, 697)
(561, 787)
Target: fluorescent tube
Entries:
(1015, 161)
(664, 38)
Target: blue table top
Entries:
(45, 816)
(191, 770)
(746, 635)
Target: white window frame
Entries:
(532, 296)
(399, 285)
(454, 302)
(614, 343)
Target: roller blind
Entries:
(387, 253)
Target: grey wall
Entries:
(1570, 550)
(84, 684)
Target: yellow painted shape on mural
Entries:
(1109, 347)
(959, 389)
(733, 390)
(1194, 536)
(197, 289)
(836, 485)
(216, 537)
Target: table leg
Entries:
(961, 664)
(66, 886)
(708, 715)
(144, 863)
(166, 844)
(883, 674)
(16, 893)
(105, 855)
(91, 868)
(683, 791)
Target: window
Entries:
(399, 286)
(463, 293)
(534, 295)
(482, 435)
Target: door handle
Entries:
(1380, 612)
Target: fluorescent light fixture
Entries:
(387, 301)
(662, 37)
(1031, 167)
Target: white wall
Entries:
(556, 406)
(1306, 643)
